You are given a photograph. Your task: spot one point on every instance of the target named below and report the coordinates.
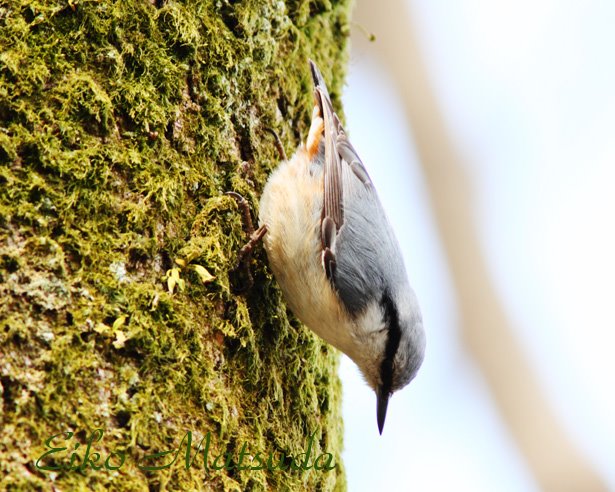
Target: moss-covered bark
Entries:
(122, 124)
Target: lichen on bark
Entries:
(122, 125)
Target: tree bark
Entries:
(122, 125)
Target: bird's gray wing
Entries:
(367, 254)
(332, 214)
(359, 251)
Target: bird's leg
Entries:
(245, 253)
(242, 203)
(278, 144)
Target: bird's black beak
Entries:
(381, 407)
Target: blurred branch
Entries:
(553, 459)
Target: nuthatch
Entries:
(334, 254)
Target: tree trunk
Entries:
(122, 125)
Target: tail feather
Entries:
(319, 82)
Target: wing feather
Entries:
(333, 184)
(357, 243)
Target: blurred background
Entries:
(487, 127)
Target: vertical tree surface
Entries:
(122, 125)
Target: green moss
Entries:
(122, 124)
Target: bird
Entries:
(335, 256)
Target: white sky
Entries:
(528, 91)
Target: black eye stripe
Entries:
(391, 321)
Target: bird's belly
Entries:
(291, 207)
